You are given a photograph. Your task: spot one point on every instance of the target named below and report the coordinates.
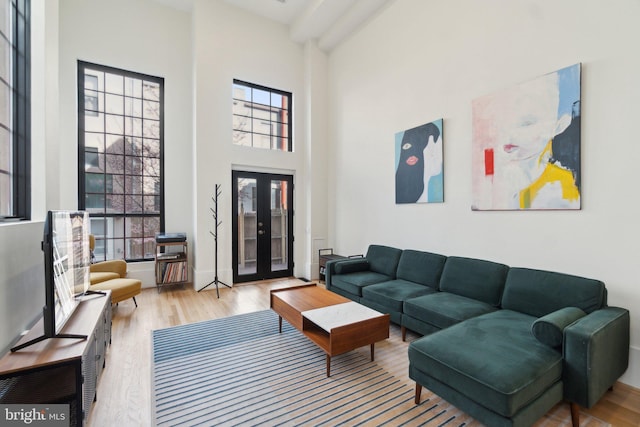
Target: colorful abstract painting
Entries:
(419, 164)
(526, 145)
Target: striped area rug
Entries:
(239, 371)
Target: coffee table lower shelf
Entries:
(344, 339)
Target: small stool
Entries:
(121, 289)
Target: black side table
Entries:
(324, 256)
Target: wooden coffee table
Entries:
(334, 323)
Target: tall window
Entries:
(120, 154)
(15, 110)
(261, 117)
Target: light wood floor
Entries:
(124, 390)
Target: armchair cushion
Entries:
(549, 329)
(102, 276)
(118, 266)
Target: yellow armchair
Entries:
(107, 270)
(112, 275)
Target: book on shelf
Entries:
(173, 272)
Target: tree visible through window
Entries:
(120, 134)
(261, 117)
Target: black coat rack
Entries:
(214, 233)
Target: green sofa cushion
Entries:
(392, 294)
(351, 266)
(424, 268)
(474, 278)
(383, 259)
(443, 309)
(492, 359)
(354, 282)
(538, 292)
(549, 329)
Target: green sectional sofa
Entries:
(503, 344)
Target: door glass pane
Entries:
(247, 226)
(279, 226)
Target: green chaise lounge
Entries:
(554, 338)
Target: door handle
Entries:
(261, 232)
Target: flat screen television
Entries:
(67, 259)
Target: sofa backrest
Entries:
(539, 292)
(474, 278)
(383, 259)
(420, 267)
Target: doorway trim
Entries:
(266, 233)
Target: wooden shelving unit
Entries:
(172, 263)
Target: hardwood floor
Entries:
(124, 390)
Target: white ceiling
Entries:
(327, 21)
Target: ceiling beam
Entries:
(316, 18)
(348, 23)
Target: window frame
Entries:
(137, 159)
(289, 109)
(20, 115)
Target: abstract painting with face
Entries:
(526, 145)
(419, 164)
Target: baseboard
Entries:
(632, 376)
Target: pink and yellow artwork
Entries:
(526, 145)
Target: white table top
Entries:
(337, 315)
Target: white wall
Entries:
(316, 161)
(420, 61)
(230, 43)
(21, 259)
(143, 36)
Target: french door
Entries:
(262, 226)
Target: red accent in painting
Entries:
(488, 161)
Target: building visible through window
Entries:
(261, 117)
(120, 134)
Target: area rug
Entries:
(239, 371)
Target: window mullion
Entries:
(126, 228)
(264, 109)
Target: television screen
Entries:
(67, 259)
(67, 241)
